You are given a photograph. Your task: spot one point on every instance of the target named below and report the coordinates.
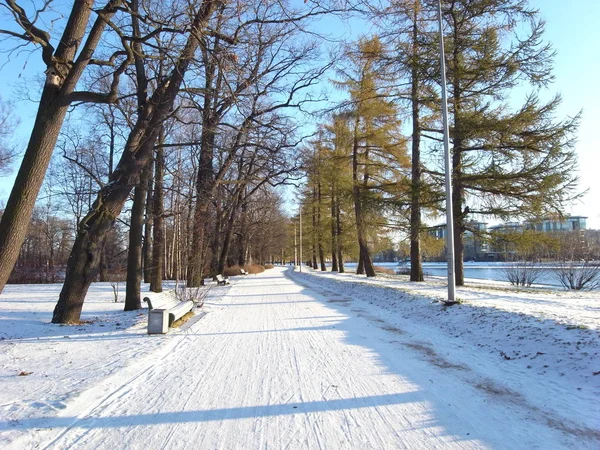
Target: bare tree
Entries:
(66, 64)
(85, 257)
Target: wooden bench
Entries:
(221, 281)
(175, 308)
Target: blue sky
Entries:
(572, 28)
(574, 31)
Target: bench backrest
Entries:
(163, 300)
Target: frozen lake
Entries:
(493, 271)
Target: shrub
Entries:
(581, 275)
(523, 273)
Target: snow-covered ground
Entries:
(305, 360)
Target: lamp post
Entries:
(300, 237)
(449, 214)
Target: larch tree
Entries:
(378, 149)
(406, 28)
(508, 159)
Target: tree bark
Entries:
(365, 265)
(416, 266)
(134, 254)
(340, 247)
(158, 249)
(204, 184)
(320, 230)
(334, 238)
(83, 262)
(148, 223)
(51, 113)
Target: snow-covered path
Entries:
(280, 365)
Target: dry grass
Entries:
(384, 270)
(236, 270)
(182, 320)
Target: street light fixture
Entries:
(449, 214)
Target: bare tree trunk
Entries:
(229, 232)
(216, 239)
(158, 249)
(365, 265)
(52, 109)
(204, 186)
(320, 230)
(147, 249)
(84, 260)
(313, 235)
(243, 236)
(134, 254)
(340, 247)
(334, 238)
(19, 208)
(416, 266)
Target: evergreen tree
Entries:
(378, 150)
(507, 161)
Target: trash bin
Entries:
(158, 321)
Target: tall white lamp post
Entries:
(449, 215)
(300, 238)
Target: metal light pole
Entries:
(295, 248)
(300, 237)
(449, 214)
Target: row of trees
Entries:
(511, 156)
(190, 121)
(191, 109)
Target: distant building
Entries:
(474, 243)
(570, 223)
(478, 248)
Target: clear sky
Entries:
(572, 27)
(574, 30)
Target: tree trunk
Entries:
(147, 249)
(365, 265)
(243, 236)
(51, 113)
(134, 254)
(84, 260)
(19, 208)
(158, 249)
(313, 236)
(320, 230)
(228, 234)
(204, 184)
(457, 207)
(334, 238)
(340, 247)
(416, 266)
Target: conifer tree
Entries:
(378, 149)
(507, 161)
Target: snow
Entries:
(305, 360)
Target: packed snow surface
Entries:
(311, 360)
